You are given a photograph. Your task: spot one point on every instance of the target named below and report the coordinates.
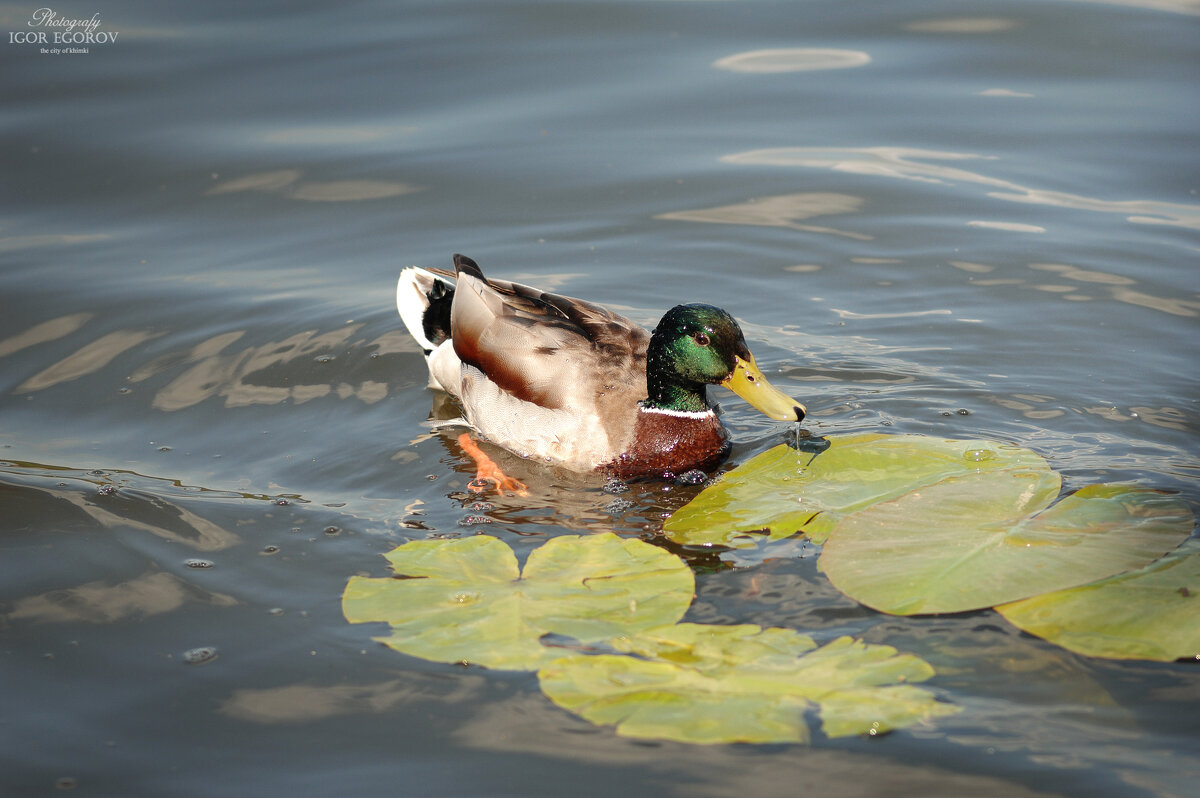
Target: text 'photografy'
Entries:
(62, 31)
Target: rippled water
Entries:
(973, 221)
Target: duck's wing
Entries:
(553, 351)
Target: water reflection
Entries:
(1116, 286)
(114, 500)
(963, 25)
(91, 358)
(1003, 93)
(10, 243)
(250, 377)
(1013, 227)
(526, 723)
(910, 164)
(299, 703)
(1176, 6)
(326, 135)
(42, 333)
(287, 183)
(797, 59)
(152, 593)
(780, 211)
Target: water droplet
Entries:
(199, 656)
(196, 562)
(275, 611)
(324, 358)
(693, 477)
(615, 486)
(164, 448)
(466, 597)
(268, 550)
(282, 502)
(332, 530)
(108, 490)
(482, 507)
(472, 520)
(978, 455)
(962, 411)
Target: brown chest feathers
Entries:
(671, 442)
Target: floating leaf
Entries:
(784, 491)
(466, 601)
(1152, 613)
(979, 540)
(698, 683)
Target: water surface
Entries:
(958, 221)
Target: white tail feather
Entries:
(412, 300)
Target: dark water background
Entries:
(988, 229)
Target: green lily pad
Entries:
(466, 600)
(1152, 613)
(698, 683)
(784, 491)
(984, 539)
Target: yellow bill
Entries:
(750, 384)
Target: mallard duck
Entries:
(574, 384)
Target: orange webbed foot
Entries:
(486, 471)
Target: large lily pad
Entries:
(784, 491)
(984, 539)
(1152, 613)
(698, 683)
(466, 600)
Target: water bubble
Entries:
(108, 490)
(978, 455)
(614, 486)
(482, 507)
(324, 358)
(282, 502)
(472, 520)
(962, 411)
(199, 656)
(268, 550)
(196, 562)
(275, 611)
(164, 448)
(693, 477)
(618, 507)
(466, 597)
(332, 530)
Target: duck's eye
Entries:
(701, 338)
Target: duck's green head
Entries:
(698, 345)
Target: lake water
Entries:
(961, 220)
